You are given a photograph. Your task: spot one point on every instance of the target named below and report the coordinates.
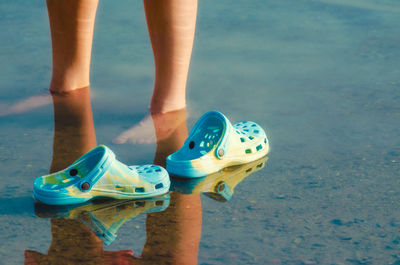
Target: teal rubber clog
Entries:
(214, 143)
(99, 174)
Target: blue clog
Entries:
(214, 143)
(99, 174)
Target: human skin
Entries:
(71, 27)
(171, 25)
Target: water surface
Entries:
(321, 76)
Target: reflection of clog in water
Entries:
(104, 217)
(99, 174)
(214, 144)
(218, 186)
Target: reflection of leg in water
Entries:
(72, 241)
(74, 132)
(74, 135)
(173, 236)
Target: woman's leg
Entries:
(71, 25)
(171, 25)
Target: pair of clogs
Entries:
(213, 144)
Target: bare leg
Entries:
(171, 25)
(145, 132)
(71, 25)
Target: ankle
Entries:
(67, 83)
(164, 106)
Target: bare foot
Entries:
(140, 133)
(26, 105)
(153, 128)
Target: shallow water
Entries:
(321, 76)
